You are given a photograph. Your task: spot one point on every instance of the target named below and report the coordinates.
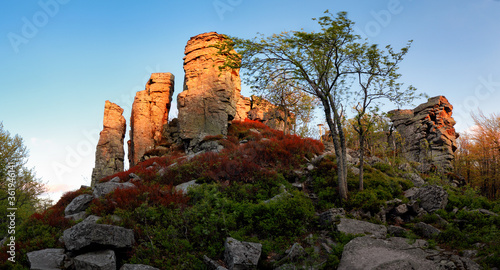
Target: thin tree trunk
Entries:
(361, 160)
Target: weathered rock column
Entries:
(208, 101)
(149, 115)
(427, 132)
(109, 152)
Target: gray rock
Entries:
(91, 219)
(134, 176)
(366, 253)
(115, 179)
(184, 187)
(410, 193)
(137, 267)
(485, 212)
(78, 204)
(426, 230)
(396, 231)
(47, 259)
(401, 209)
(85, 234)
(331, 215)
(431, 198)
(415, 179)
(240, 255)
(108, 187)
(293, 253)
(353, 226)
(212, 265)
(77, 216)
(99, 260)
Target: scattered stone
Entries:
(426, 230)
(184, 188)
(428, 133)
(110, 154)
(108, 187)
(99, 260)
(115, 179)
(85, 234)
(137, 267)
(78, 204)
(431, 198)
(401, 209)
(212, 265)
(240, 255)
(415, 179)
(47, 259)
(293, 253)
(331, 215)
(149, 116)
(354, 226)
(396, 231)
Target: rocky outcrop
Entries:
(264, 111)
(354, 226)
(208, 102)
(427, 133)
(366, 253)
(150, 115)
(78, 204)
(431, 198)
(107, 187)
(110, 154)
(243, 106)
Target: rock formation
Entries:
(427, 132)
(243, 106)
(110, 154)
(208, 102)
(259, 109)
(150, 115)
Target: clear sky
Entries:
(61, 59)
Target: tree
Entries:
(23, 184)
(321, 63)
(296, 106)
(376, 73)
(478, 155)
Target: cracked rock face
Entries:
(150, 115)
(427, 132)
(209, 99)
(110, 154)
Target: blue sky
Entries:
(61, 59)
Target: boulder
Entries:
(78, 204)
(85, 234)
(137, 267)
(428, 133)
(240, 255)
(415, 179)
(425, 230)
(184, 187)
(150, 116)
(47, 259)
(212, 265)
(98, 260)
(331, 215)
(209, 100)
(108, 187)
(366, 253)
(109, 153)
(354, 226)
(78, 216)
(396, 231)
(431, 198)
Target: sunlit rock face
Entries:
(209, 100)
(427, 132)
(149, 115)
(109, 152)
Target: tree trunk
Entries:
(361, 160)
(338, 151)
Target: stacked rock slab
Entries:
(150, 115)
(427, 132)
(208, 101)
(109, 152)
(259, 109)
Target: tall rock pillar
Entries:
(428, 133)
(208, 101)
(149, 115)
(109, 152)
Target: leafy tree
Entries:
(478, 155)
(23, 183)
(323, 64)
